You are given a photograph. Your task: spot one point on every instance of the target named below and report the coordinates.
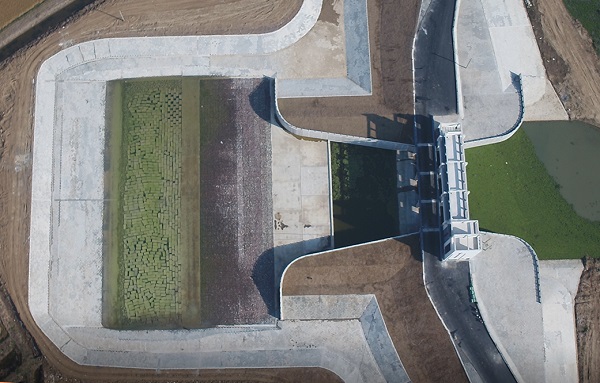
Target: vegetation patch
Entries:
(365, 201)
(512, 193)
(146, 273)
(587, 12)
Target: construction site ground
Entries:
(587, 316)
(570, 60)
(392, 271)
(134, 18)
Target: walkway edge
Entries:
(509, 133)
(485, 315)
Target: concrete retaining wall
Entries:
(335, 137)
(509, 133)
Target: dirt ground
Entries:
(13, 9)
(20, 360)
(387, 113)
(587, 314)
(393, 271)
(571, 62)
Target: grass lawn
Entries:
(588, 14)
(512, 193)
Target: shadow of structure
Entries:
(270, 265)
(263, 276)
(398, 129)
(261, 99)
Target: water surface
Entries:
(570, 151)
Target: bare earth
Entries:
(393, 271)
(13, 9)
(587, 314)
(20, 360)
(571, 62)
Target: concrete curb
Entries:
(508, 134)
(335, 137)
(459, 98)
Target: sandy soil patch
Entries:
(12, 9)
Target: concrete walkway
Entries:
(559, 283)
(527, 307)
(302, 211)
(506, 285)
(495, 41)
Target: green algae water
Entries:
(570, 152)
(151, 280)
(512, 192)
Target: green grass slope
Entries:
(588, 14)
(512, 193)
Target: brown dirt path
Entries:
(393, 271)
(571, 62)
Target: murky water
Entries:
(570, 150)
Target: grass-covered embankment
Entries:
(365, 201)
(587, 12)
(512, 193)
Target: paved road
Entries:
(435, 82)
(448, 287)
(447, 283)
